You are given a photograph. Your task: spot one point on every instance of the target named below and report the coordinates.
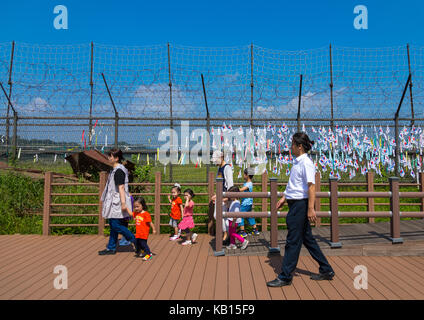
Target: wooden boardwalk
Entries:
(192, 273)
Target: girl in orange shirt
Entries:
(176, 210)
(143, 222)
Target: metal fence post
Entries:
(158, 177)
(410, 86)
(370, 188)
(15, 135)
(116, 129)
(9, 105)
(90, 121)
(334, 207)
(274, 248)
(299, 104)
(395, 209)
(331, 88)
(47, 202)
(218, 205)
(102, 185)
(171, 123)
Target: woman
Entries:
(116, 202)
(225, 172)
(300, 195)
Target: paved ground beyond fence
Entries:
(178, 272)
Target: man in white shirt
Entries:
(300, 195)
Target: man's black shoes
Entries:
(323, 276)
(106, 252)
(278, 283)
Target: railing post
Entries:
(211, 208)
(211, 188)
(47, 202)
(274, 248)
(102, 185)
(334, 207)
(370, 188)
(318, 200)
(218, 205)
(421, 177)
(264, 201)
(395, 209)
(158, 178)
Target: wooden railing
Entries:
(334, 214)
(51, 208)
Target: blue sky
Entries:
(274, 24)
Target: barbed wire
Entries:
(241, 82)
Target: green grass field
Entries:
(23, 197)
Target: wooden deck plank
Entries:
(408, 281)
(182, 285)
(299, 282)
(247, 287)
(128, 276)
(13, 245)
(140, 269)
(39, 285)
(403, 289)
(91, 271)
(315, 289)
(270, 271)
(196, 281)
(376, 288)
(73, 276)
(170, 282)
(99, 270)
(234, 281)
(111, 277)
(27, 271)
(416, 261)
(374, 279)
(326, 286)
(208, 283)
(343, 288)
(221, 282)
(262, 292)
(161, 265)
(345, 274)
(36, 254)
(410, 275)
(410, 268)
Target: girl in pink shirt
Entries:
(187, 224)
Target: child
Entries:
(143, 222)
(234, 206)
(246, 204)
(176, 209)
(188, 223)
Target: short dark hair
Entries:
(234, 189)
(247, 171)
(141, 201)
(301, 138)
(116, 153)
(190, 192)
